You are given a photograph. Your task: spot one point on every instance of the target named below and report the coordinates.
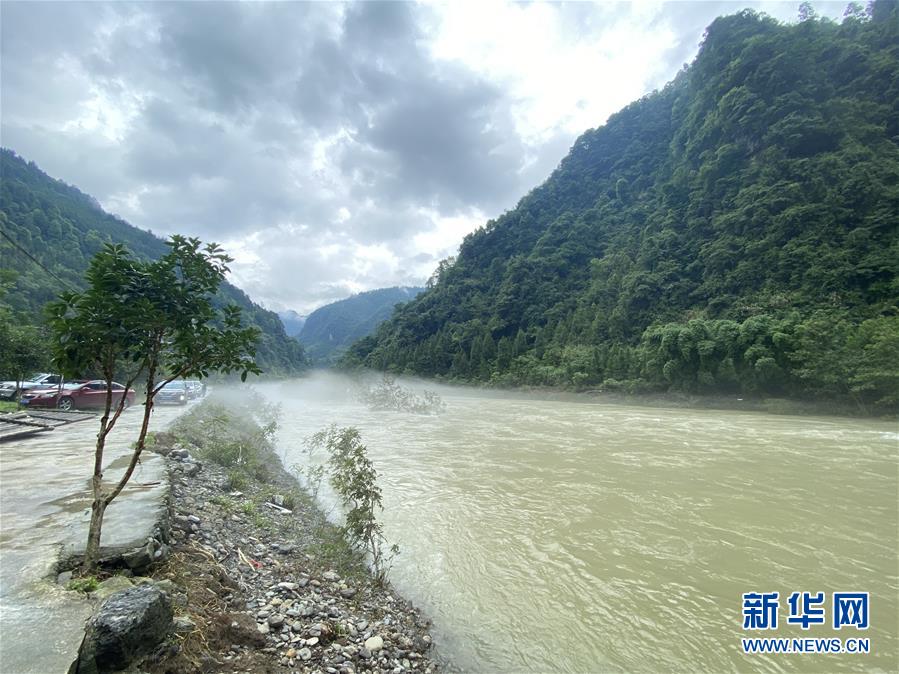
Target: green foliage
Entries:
(355, 480)
(237, 434)
(63, 229)
(156, 315)
(329, 330)
(84, 585)
(23, 348)
(387, 394)
(734, 232)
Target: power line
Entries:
(34, 259)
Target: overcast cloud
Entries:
(332, 148)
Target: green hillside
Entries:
(735, 232)
(330, 329)
(62, 228)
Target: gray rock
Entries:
(140, 558)
(348, 593)
(331, 575)
(168, 586)
(161, 553)
(111, 586)
(64, 577)
(128, 625)
(276, 620)
(184, 625)
(305, 654)
(192, 468)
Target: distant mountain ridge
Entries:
(293, 322)
(330, 329)
(63, 227)
(735, 232)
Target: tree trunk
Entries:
(98, 509)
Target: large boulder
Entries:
(129, 625)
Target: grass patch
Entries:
(248, 508)
(85, 585)
(8, 406)
(225, 503)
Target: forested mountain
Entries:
(733, 232)
(62, 228)
(293, 322)
(330, 329)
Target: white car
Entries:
(9, 390)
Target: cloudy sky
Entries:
(331, 148)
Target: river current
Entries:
(575, 536)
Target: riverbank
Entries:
(261, 582)
(736, 402)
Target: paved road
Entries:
(44, 515)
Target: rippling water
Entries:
(578, 537)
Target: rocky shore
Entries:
(263, 583)
(249, 576)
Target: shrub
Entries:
(355, 480)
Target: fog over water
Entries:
(576, 536)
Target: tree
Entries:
(158, 317)
(355, 480)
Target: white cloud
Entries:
(331, 148)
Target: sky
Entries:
(330, 148)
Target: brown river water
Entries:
(574, 536)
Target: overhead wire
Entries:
(31, 257)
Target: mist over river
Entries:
(574, 536)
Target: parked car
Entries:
(81, 395)
(10, 389)
(175, 392)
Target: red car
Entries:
(82, 395)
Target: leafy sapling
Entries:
(355, 480)
(158, 317)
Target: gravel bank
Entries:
(259, 588)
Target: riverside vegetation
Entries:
(261, 580)
(388, 394)
(733, 233)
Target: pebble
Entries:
(305, 654)
(374, 644)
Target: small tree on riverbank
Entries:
(158, 317)
(355, 480)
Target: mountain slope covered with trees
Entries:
(735, 232)
(330, 329)
(62, 228)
